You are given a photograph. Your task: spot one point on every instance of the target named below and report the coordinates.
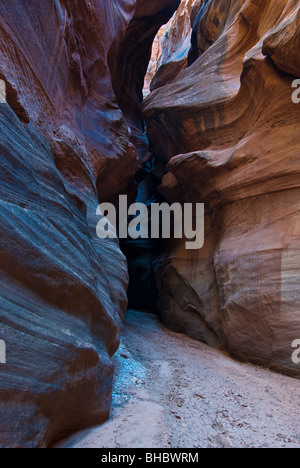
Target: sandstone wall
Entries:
(65, 144)
(228, 132)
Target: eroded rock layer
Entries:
(171, 46)
(65, 144)
(229, 133)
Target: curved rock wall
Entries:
(130, 65)
(65, 144)
(72, 134)
(171, 46)
(175, 44)
(228, 131)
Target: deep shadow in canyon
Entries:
(143, 254)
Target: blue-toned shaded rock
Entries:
(65, 145)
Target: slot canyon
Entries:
(141, 342)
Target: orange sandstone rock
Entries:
(228, 131)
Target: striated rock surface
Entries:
(63, 292)
(283, 44)
(171, 46)
(157, 50)
(129, 67)
(65, 144)
(228, 132)
(72, 134)
(129, 70)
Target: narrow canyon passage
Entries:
(171, 391)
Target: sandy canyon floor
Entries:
(173, 392)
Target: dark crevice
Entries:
(128, 69)
(142, 254)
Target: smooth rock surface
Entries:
(171, 46)
(63, 291)
(65, 145)
(228, 131)
(130, 65)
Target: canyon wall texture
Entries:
(72, 133)
(228, 132)
(65, 145)
(171, 46)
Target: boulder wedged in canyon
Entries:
(228, 131)
(65, 146)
